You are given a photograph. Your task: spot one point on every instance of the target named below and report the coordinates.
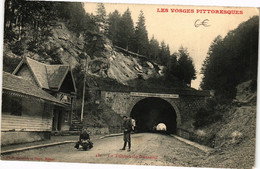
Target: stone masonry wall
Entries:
(185, 106)
(117, 101)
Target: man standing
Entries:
(127, 127)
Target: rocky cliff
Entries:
(65, 47)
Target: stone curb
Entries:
(34, 147)
(197, 145)
(52, 144)
(111, 135)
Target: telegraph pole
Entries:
(84, 86)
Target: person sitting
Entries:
(84, 136)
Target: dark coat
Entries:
(84, 136)
(127, 126)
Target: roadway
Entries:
(147, 149)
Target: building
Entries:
(36, 99)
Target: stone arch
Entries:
(135, 100)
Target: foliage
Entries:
(114, 24)
(164, 54)
(94, 43)
(101, 19)
(121, 29)
(185, 67)
(141, 40)
(180, 65)
(32, 22)
(21, 16)
(207, 114)
(126, 31)
(153, 49)
(232, 60)
(10, 63)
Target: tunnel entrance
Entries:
(152, 111)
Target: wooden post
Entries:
(84, 87)
(72, 107)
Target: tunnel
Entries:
(151, 111)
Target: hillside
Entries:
(233, 137)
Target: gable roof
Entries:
(22, 86)
(39, 71)
(47, 76)
(56, 75)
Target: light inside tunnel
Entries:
(151, 111)
(161, 127)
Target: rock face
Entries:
(121, 67)
(65, 47)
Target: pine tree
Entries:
(101, 19)
(153, 49)
(114, 23)
(164, 54)
(232, 59)
(185, 70)
(126, 30)
(141, 36)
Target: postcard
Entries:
(129, 84)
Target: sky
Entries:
(178, 29)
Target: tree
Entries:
(141, 36)
(172, 67)
(77, 15)
(101, 19)
(153, 49)
(77, 20)
(208, 68)
(25, 19)
(164, 54)
(185, 70)
(232, 60)
(114, 23)
(101, 12)
(21, 14)
(126, 30)
(173, 64)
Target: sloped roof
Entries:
(47, 76)
(39, 70)
(20, 85)
(56, 74)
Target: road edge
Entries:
(194, 144)
(52, 144)
(35, 147)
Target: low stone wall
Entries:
(183, 133)
(98, 130)
(115, 129)
(13, 137)
(204, 140)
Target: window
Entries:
(12, 105)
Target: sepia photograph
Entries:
(129, 84)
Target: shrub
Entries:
(208, 114)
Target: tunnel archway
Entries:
(151, 111)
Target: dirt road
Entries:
(147, 149)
